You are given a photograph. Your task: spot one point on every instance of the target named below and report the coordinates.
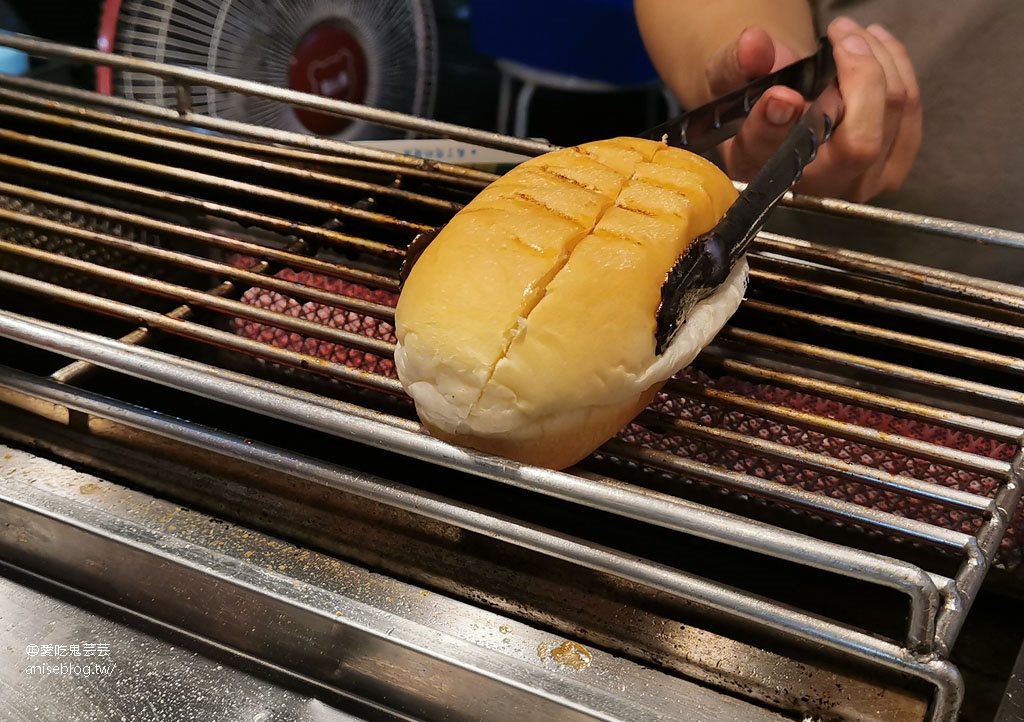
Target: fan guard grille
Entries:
(258, 39)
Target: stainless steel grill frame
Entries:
(987, 319)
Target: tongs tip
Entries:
(414, 250)
(697, 274)
(710, 258)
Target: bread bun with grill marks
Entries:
(527, 327)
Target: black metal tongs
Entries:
(709, 260)
(711, 257)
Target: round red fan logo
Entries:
(328, 61)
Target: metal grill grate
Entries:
(858, 419)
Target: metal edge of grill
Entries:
(983, 319)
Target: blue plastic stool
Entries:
(586, 46)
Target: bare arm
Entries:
(705, 49)
(692, 43)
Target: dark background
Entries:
(467, 84)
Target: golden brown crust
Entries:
(527, 327)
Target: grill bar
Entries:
(981, 294)
(826, 357)
(140, 336)
(185, 77)
(902, 219)
(970, 579)
(181, 260)
(291, 257)
(228, 212)
(911, 342)
(938, 673)
(324, 150)
(216, 268)
(897, 308)
(194, 298)
(376, 310)
(382, 431)
(848, 394)
(207, 180)
(343, 156)
(75, 371)
(972, 576)
(940, 454)
(796, 498)
(232, 162)
(199, 332)
(821, 462)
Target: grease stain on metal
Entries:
(567, 654)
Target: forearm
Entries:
(683, 35)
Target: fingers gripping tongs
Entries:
(711, 257)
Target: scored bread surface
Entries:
(535, 306)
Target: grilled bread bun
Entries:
(527, 327)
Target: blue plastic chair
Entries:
(589, 46)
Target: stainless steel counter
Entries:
(358, 639)
(59, 661)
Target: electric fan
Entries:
(379, 53)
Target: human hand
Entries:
(874, 147)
